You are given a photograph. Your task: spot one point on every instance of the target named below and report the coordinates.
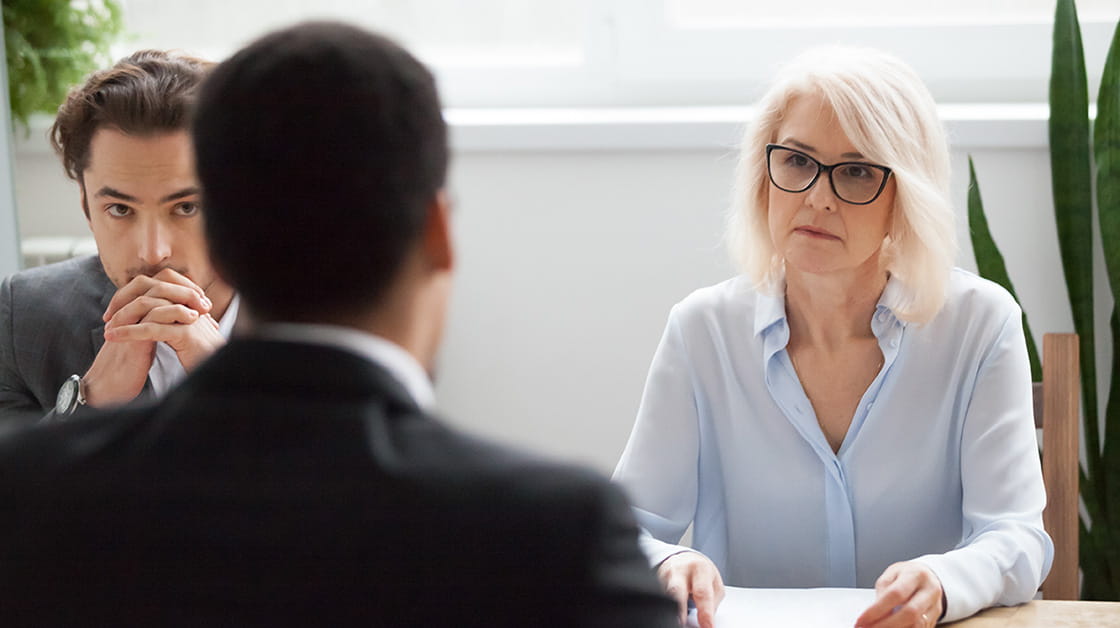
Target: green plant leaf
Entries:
(1093, 566)
(1099, 574)
(1106, 150)
(989, 261)
(1104, 517)
(51, 45)
(1071, 177)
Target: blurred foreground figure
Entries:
(298, 476)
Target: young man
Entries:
(123, 137)
(299, 477)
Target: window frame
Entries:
(632, 54)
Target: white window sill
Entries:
(703, 128)
(664, 128)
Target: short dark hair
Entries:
(146, 93)
(320, 149)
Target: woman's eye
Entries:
(797, 161)
(187, 209)
(857, 172)
(118, 211)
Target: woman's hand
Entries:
(907, 595)
(692, 574)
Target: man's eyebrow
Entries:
(108, 191)
(174, 196)
(183, 193)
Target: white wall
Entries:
(9, 238)
(570, 263)
(570, 258)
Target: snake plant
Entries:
(1072, 156)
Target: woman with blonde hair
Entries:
(851, 411)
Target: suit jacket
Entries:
(288, 483)
(50, 328)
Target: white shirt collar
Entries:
(229, 317)
(387, 354)
(770, 304)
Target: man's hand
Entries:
(167, 286)
(907, 595)
(193, 336)
(118, 373)
(166, 307)
(691, 574)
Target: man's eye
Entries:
(118, 211)
(187, 209)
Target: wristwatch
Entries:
(70, 396)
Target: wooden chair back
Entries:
(1057, 413)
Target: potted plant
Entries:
(50, 45)
(1072, 156)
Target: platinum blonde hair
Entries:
(889, 116)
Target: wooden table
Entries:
(1047, 614)
(838, 608)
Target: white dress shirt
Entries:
(940, 462)
(392, 357)
(167, 370)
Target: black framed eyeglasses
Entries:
(853, 182)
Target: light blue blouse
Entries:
(940, 462)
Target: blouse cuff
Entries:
(658, 551)
(957, 606)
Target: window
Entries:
(560, 53)
(723, 51)
(715, 13)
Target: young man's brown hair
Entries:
(146, 93)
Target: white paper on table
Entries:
(790, 608)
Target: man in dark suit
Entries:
(123, 138)
(299, 475)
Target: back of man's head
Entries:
(320, 150)
(147, 93)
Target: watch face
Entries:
(67, 395)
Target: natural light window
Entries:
(447, 33)
(730, 13)
(658, 53)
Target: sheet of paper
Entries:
(790, 608)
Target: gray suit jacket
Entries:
(50, 328)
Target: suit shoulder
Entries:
(49, 448)
(60, 281)
(521, 476)
(67, 270)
